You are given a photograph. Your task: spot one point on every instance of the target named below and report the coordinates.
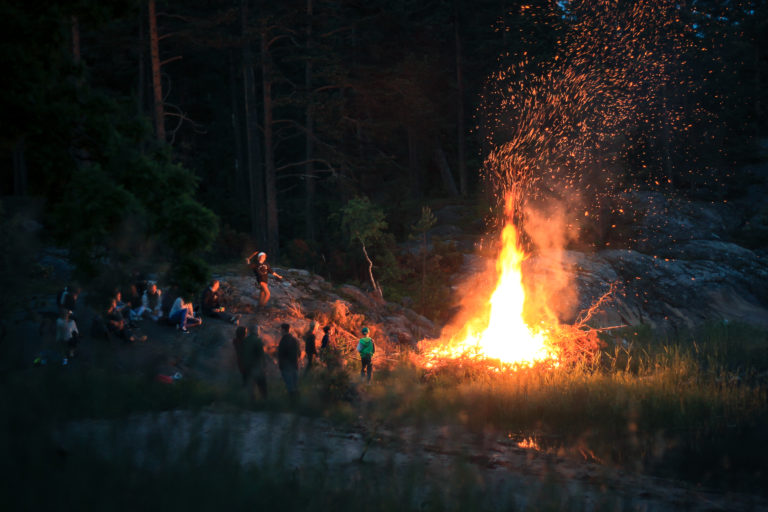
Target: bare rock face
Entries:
(681, 266)
(684, 285)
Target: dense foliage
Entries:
(283, 112)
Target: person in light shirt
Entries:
(66, 332)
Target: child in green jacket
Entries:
(366, 349)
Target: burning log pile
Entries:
(500, 333)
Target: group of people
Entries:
(145, 300)
(150, 303)
(252, 359)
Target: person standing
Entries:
(255, 360)
(66, 332)
(262, 270)
(310, 348)
(249, 350)
(326, 341)
(366, 349)
(238, 342)
(288, 360)
(67, 299)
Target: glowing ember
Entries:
(500, 332)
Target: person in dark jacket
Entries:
(212, 304)
(288, 360)
(255, 361)
(134, 303)
(326, 341)
(67, 299)
(310, 348)
(118, 325)
(262, 270)
(251, 360)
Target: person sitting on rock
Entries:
(66, 332)
(152, 302)
(262, 270)
(183, 315)
(118, 325)
(121, 306)
(212, 305)
(134, 303)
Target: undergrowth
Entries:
(690, 406)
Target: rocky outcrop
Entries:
(685, 285)
(301, 297)
(682, 265)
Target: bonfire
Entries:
(498, 333)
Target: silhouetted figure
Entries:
(253, 360)
(326, 341)
(310, 349)
(288, 353)
(67, 299)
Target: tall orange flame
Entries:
(499, 331)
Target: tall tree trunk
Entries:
(461, 137)
(758, 91)
(157, 85)
(252, 145)
(19, 168)
(142, 68)
(75, 40)
(240, 181)
(309, 168)
(413, 162)
(270, 185)
(445, 171)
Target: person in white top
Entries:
(66, 332)
(152, 302)
(182, 315)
